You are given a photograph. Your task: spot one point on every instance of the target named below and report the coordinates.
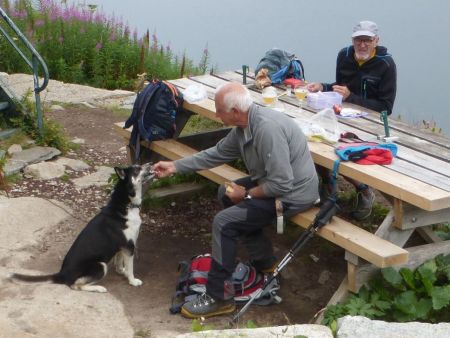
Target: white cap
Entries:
(365, 28)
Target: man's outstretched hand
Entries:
(164, 168)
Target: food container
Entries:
(321, 100)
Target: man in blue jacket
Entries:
(366, 75)
(280, 166)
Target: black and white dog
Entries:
(111, 233)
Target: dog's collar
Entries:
(132, 206)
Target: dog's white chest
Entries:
(133, 224)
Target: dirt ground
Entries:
(168, 235)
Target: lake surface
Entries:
(237, 32)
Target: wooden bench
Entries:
(360, 242)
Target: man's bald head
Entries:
(233, 95)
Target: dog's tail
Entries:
(35, 278)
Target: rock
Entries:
(29, 156)
(99, 178)
(324, 277)
(77, 140)
(56, 107)
(358, 326)
(87, 104)
(25, 219)
(45, 170)
(14, 149)
(307, 330)
(50, 310)
(76, 165)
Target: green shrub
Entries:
(80, 44)
(401, 296)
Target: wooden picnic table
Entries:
(417, 182)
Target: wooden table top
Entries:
(419, 175)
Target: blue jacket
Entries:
(373, 84)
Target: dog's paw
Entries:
(99, 288)
(135, 282)
(120, 270)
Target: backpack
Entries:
(281, 65)
(193, 276)
(154, 113)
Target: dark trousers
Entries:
(244, 221)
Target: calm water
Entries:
(237, 32)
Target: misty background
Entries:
(237, 32)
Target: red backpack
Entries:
(245, 279)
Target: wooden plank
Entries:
(412, 158)
(351, 277)
(356, 240)
(398, 125)
(408, 140)
(382, 178)
(410, 217)
(437, 161)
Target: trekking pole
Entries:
(327, 210)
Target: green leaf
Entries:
(364, 293)
(406, 302)
(423, 308)
(443, 264)
(440, 295)
(393, 277)
(333, 312)
(408, 277)
(428, 270)
(250, 324)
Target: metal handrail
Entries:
(36, 60)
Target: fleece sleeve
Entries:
(224, 151)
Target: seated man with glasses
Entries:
(365, 75)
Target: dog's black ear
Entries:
(120, 172)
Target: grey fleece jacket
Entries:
(275, 152)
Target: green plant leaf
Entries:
(332, 313)
(408, 277)
(428, 276)
(364, 293)
(440, 295)
(359, 306)
(393, 277)
(443, 264)
(250, 324)
(406, 302)
(423, 308)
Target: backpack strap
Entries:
(174, 91)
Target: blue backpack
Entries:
(154, 113)
(281, 65)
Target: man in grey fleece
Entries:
(280, 166)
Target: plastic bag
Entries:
(323, 126)
(195, 93)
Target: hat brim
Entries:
(363, 33)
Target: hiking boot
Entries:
(364, 204)
(206, 306)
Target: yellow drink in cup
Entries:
(301, 93)
(269, 99)
(269, 95)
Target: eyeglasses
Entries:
(360, 40)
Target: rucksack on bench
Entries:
(154, 113)
(245, 279)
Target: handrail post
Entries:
(37, 96)
(36, 60)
